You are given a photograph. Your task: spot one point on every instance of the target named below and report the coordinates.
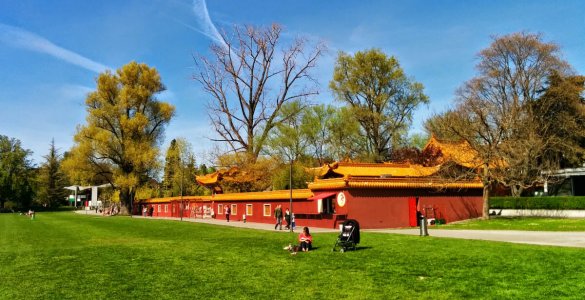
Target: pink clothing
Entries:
(305, 238)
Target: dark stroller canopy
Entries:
(356, 229)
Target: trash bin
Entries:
(423, 225)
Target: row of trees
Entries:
(254, 91)
(23, 184)
(522, 113)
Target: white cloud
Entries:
(23, 39)
(207, 27)
(74, 92)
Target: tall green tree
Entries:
(345, 139)
(16, 174)
(250, 77)
(124, 127)
(316, 125)
(51, 180)
(289, 140)
(171, 165)
(559, 119)
(380, 95)
(180, 170)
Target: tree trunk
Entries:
(126, 197)
(486, 201)
(516, 190)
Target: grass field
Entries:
(517, 223)
(69, 256)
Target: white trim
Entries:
(269, 210)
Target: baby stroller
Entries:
(349, 236)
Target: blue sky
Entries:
(52, 51)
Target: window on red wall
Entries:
(234, 209)
(166, 208)
(249, 209)
(159, 208)
(220, 209)
(267, 210)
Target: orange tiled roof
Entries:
(269, 195)
(395, 183)
(342, 169)
(459, 152)
(208, 179)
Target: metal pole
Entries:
(131, 203)
(181, 191)
(290, 197)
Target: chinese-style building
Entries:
(385, 195)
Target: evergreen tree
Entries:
(171, 161)
(51, 180)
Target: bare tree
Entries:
(249, 78)
(493, 113)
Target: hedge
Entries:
(557, 203)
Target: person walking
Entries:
(278, 216)
(287, 218)
(228, 210)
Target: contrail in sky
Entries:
(20, 38)
(208, 29)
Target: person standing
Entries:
(278, 216)
(228, 210)
(287, 218)
(292, 221)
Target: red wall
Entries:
(373, 208)
(390, 208)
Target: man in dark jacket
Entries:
(278, 216)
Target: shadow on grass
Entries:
(357, 248)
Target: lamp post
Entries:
(290, 196)
(75, 200)
(182, 192)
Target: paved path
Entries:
(260, 226)
(549, 238)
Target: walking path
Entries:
(251, 225)
(548, 238)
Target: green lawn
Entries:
(517, 223)
(69, 256)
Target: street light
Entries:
(290, 196)
(182, 192)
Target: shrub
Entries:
(555, 203)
